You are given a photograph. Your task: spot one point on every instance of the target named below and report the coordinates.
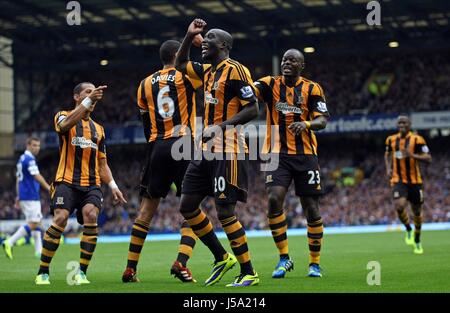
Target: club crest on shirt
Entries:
(298, 102)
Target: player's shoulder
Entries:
(27, 156)
(311, 83)
(418, 137)
(60, 115)
(97, 124)
(266, 80)
(63, 112)
(392, 137)
(238, 70)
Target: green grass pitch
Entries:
(344, 259)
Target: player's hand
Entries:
(16, 203)
(211, 132)
(197, 41)
(97, 93)
(196, 27)
(118, 196)
(297, 127)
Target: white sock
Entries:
(37, 240)
(21, 232)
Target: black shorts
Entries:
(71, 198)
(303, 169)
(412, 192)
(225, 180)
(161, 170)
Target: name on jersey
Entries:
(210, 99)
(83, 143)
(285, 108)
(163, 77)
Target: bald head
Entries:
(403, 124)
(224, 37)
(296, 54)
(292, 64)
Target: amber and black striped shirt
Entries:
(80, 149)
(227, 90)
(286, 105)
(168, 97)
(405, 170)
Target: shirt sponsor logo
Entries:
(83, 143)
(285, 108)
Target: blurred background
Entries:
(369, 73)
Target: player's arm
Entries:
(388, 159)
(67, 122)
(263, 92)
(34, 171)
(242, 85)
(105, 172)
(41, 180)
(143, 110)
(107, 178)
(248, 113)
(421, 152)
(319, 113)
(16, 204)
(182, 58)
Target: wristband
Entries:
(112, 184)
(87, 103)
(308, 124)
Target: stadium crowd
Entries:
(345, 80)
(365, 199)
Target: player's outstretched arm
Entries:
(182, 58)
(107, 178)
(77, 114)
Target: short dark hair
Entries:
(31, 139)
(79, 88)
(168, 50)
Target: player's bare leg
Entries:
(139, 233)
(401, 205)
(88, 241)
(50, 244)
(278, 226)
(315, 233)
(417, 210)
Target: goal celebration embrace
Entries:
(224, 147)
